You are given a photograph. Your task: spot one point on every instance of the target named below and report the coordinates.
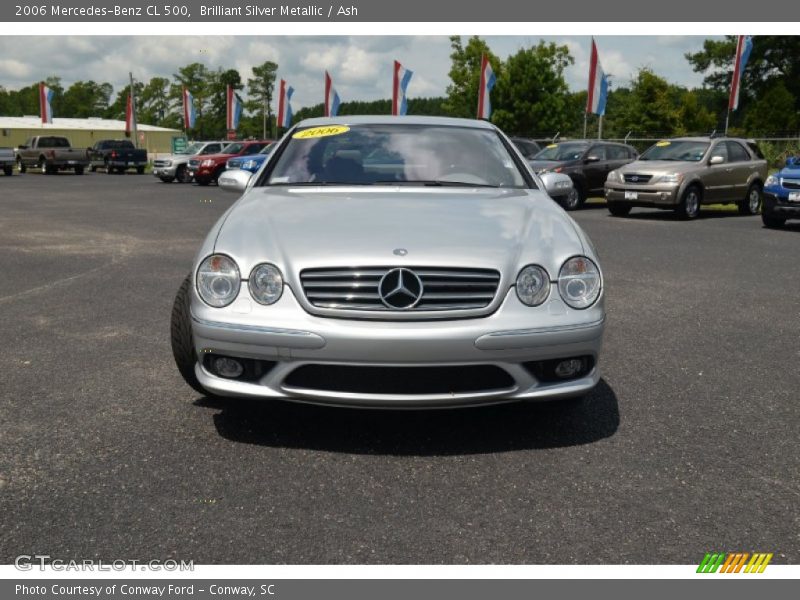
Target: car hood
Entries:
(785, 172)
(660, 166)
(298, 228)
(216, 157)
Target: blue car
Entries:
(782, 195)
(251, 162)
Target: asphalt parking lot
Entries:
(688, 445)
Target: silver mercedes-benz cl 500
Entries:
(392, 262)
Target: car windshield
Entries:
(192, 149)
(565, 151)
(676, 150)
(234, 148)
(396, 154)
(268, 148)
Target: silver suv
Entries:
(684, 173)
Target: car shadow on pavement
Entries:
(518, 426)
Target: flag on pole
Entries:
(45, 100)
(488, 80)
(130, 117)
(234, 109)
(744, 46)
(598, 85)
(399, 87)
(284, 104)
(331, 97)
(189, 113)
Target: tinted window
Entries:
(617, 153)
(736, 153)
(53, 142)
(755, 149)
(212, 149)
(392, 154)
(720, 150)
(598, 151)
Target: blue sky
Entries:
(360, 65)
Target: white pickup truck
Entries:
(50, 154)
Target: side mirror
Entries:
(234, 180)
(556, 184)
(716, 160)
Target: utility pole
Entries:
(133, 115)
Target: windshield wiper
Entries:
(436, 183)
(316, 183)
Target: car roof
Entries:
(393, 120)
(706, 138)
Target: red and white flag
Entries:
(130, 116)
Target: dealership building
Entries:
(83, 133)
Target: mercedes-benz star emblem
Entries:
(400, 289)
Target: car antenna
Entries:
(555, 137)
(628, 135)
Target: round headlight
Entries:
(579, 282)
(266, 283)
(771, 180)
(218, 280)
(533, 285)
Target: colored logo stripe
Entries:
(734, 562)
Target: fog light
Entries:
(569, 368)
(228, 367)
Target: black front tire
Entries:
(21, 165)
(772, 221)
(689, 207)
(182, 175)
(181, 337)
(751, 205)
(78, 170)
(9, 170)
(140, 170)
(619, 209)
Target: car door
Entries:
(595, 167)
(716, 180)
(741, 167)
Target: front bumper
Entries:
(292, 338)
(201, 173)
(646, 195)
(775, 204)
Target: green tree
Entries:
(465, 74)
(650, 107)
(85, 99)
(195, 77)
(774, 113)
(531, 94)
(259, 94)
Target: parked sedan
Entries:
(587, 163)
(782, 195)
(440, 275)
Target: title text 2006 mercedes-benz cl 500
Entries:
(392, 262)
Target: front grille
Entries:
(194, 162)
(637, 178)
(410, 381)
(160, 163)
(791, 184)
(442, 288)
(234, 163)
